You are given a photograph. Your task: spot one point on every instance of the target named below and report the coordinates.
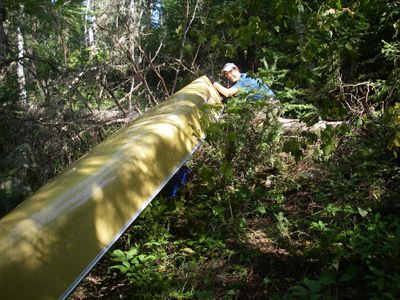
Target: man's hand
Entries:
(227, 92)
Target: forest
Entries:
(267, 213)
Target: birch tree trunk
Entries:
(23, 98)
(90, 25)
(133, 32)
(133, 24)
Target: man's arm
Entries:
(225, 91)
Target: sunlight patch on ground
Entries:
(257, 238)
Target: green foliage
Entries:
(318, 145)
(330, 227)
(354, 225)
(391, 51)
(247, 138)
(311, 289)
(16, 170)
(300, 111)
(241, 148)
(362, 252)
(392, 121)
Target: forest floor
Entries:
(314, 230)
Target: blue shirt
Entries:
(251, 86)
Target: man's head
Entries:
(231, 72)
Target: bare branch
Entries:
(187, 27)
(117, 102)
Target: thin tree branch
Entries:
(187, 27)
(104, 84)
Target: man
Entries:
(242, 83)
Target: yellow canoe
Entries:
(52, 240)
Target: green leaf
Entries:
(202, 38)
(261, 209)
(126, 264)
(326, 278)
(267, 281)
(178, 30)
(118, 255)
(227, 169)
(293, 147)
(188, 250)
(131, 253)
(299, 290)
(141, 257)
(214, 41)
(188, 49)
(348, 46)
(362, 212)
(376, 271)
(329, 147)
(121, 268)
(349, 275)
(313, 285)
(359, 122)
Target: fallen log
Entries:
(297, 125)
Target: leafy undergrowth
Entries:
(256, 222)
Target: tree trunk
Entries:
(20, 66)
(300, 28)
(3, 37)
(90, 25)
(134, 26)
(297, 125)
